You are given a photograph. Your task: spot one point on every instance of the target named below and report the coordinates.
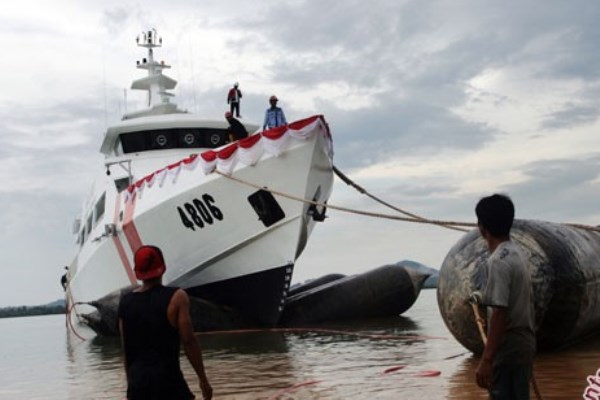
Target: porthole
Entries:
(215, 138)
(161, 140)
(189, 138)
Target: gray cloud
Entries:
(396, 129)
(572, 115)
(47, 150)
(559, 190)
(419, 57)
(427, 52)
(13, 27)
(115, 19)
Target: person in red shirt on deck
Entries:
(233, 99)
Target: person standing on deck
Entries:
(153, 321)
(274, 115)
(505, 368)
(233, 99)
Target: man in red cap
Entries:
(153, 321)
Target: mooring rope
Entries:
(70, 322)
(346, 209)
(70, 305)
(361, 190)
(413, 217)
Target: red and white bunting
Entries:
(247, 151)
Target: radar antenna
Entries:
(155, 83)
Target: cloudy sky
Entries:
(432, 105)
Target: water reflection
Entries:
(461, 384)
(561, 375)
(94, 367)
(252, 342)
(334, 361)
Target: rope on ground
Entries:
(414, 218)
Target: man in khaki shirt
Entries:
(506, 364)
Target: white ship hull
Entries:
(223, 240)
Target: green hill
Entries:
(55, 307)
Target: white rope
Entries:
(350, 210)
(413, 217)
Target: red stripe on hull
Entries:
(131, 232)
(119, 245)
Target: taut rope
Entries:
(349, 182)
(70, 306)
(455, 225)
(349, 210)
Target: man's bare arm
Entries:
(189, 341)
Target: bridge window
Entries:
(99, 208)
(175, 138)
(122, 183)
(88, 225)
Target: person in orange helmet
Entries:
(274, 115)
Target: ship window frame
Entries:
(99, 208)
(122, 183)
(88, 224)
(174, 138)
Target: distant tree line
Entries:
(23, 311)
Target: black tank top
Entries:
(151, 347)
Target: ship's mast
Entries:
(155, 83)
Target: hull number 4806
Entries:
(200, 212)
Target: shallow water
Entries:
(39, 360)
